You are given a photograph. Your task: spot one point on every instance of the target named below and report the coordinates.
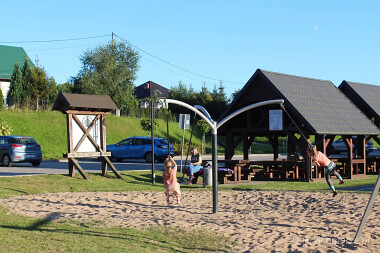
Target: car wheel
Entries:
(7, 161)
(148, 157)
(36, 163)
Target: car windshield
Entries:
(163, 141)
(24, 140)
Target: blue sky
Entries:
(216, 40)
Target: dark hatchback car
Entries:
(140, 147)
(19, 149)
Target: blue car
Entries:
(140, 147)
(19, 149)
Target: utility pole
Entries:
(113, 38)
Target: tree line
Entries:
(109, 69)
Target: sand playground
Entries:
(261, 221)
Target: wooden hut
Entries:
(366, 98)
(317, 108)
(86, 129)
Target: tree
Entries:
(27, 82)
(219, 102)
(15, 88)
(40, 85)
(204, 96)
(65, 87)
(110, 70)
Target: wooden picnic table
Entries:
(236, 166)
(282, 166)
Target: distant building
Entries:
(148, 89)
(8, 58)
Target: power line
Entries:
(175, 66)
(56, 48)
(48, 41)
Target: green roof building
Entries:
(8, 58)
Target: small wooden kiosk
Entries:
(86, 129)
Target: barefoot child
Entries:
(170, 180)
(330, 167)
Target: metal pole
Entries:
(152, 130)
(214, 169)
(367, 210)
(183, 141)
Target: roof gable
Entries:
(149, 89)
(365, 97)
(84, 102)
(8, 58)
(317, 104)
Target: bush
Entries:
(5, 129)
(178, 147)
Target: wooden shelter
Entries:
(366, 98)
(317, 108)
(86, 129)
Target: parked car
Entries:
(140, 147)
(19, 149)
(339, 146)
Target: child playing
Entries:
(170, 180)
(330, 167)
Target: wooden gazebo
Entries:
(317, 107)
(86, 129)
(366, 98)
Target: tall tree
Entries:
(219, 102)
(40, 85)
(27, 82)
(110, 69)
(15, 88)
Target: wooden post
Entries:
(103, 142)
(69, 118)
(229, 146)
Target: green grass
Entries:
(20, 234)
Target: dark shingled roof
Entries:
(147, 90)
(315, 103)
(365, 96)
(84, 102)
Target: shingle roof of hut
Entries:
(365, 97)
(84, 102)
(317, 104)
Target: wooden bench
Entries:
(223, 176)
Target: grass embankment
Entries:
(22, 234)
(49, 130)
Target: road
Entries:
(93, 165)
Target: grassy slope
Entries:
(49, 129)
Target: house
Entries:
(8, 57)
(148, 89)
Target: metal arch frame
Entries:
(214, 126)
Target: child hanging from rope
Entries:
(170, 180)
(330, 167)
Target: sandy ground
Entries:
(262, 221)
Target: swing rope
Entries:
(188, 149)
(167, 130)
(283, 107)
